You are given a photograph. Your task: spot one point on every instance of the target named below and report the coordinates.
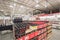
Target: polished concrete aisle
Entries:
(55, 35)
(9, 36)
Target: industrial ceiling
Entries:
(27, 6)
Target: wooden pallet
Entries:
(49, 36)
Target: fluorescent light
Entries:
(21, 6)
(37, 5)
(1, 10)
(45, 5)
(15, 0)
(36, 1)
(12, 5)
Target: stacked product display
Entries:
(32, 30)
(49, 31)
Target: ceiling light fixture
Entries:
(36, 1)
(45, 5)
(21, 6)
(15, 0)
(37, 5)
(1, 10)
(12, 5)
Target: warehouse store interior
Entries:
(29, 19)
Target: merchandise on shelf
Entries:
(37, 30)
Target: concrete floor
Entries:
(55, 35)
(9, 36)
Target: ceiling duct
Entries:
(36, 12)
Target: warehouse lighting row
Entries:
(37, 1)
(12, 6)
(37, 5)
(1, 10)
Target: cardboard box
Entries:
(45, 25)
(27, 31)
(26, 37)
(36, 33)
(40, 31)
(22, 38)
(40, 26)
(32, 35)
(49, 27)
(49, 31)
(33, 27)
(40, 37)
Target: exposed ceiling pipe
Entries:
(24, 5)
(50, 4)
(43, 5)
